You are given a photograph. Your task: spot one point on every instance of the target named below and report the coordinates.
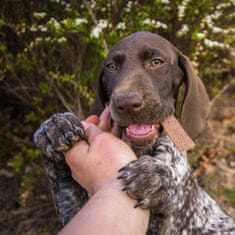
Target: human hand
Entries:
(95, 164)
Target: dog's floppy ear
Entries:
(196, 104)
(99, 102)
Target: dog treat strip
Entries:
(177, 134)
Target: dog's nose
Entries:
(130, 102)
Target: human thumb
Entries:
(91, 130)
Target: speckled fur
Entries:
(187, 208)
(161, 179)
(54, 136)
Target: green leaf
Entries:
(2, 22)
(33, 153)
(31, 117)
(17, 162)
(232, 148)
(44, 87)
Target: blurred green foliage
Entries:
(50, 52)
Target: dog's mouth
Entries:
(140, 129)
(140, 134)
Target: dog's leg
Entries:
(56, 135)
(165, 184)
(152, 179)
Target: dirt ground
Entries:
(31, 211)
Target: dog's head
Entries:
(140, 80)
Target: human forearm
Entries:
(122, 217)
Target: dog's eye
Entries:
(111, 66)
(156, 61)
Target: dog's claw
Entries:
(123, 175)
(139, 204)
(123, 168)
(120, 177)
(125, 188)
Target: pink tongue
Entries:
(139, 129)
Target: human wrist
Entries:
(111, 186)
(106, 209)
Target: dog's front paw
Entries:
(143, 181)
(58, 134)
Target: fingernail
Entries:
(85, 124)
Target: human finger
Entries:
(105, 120)
(79, 150)
(93, 119)
(91, 131)
(115, 130)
